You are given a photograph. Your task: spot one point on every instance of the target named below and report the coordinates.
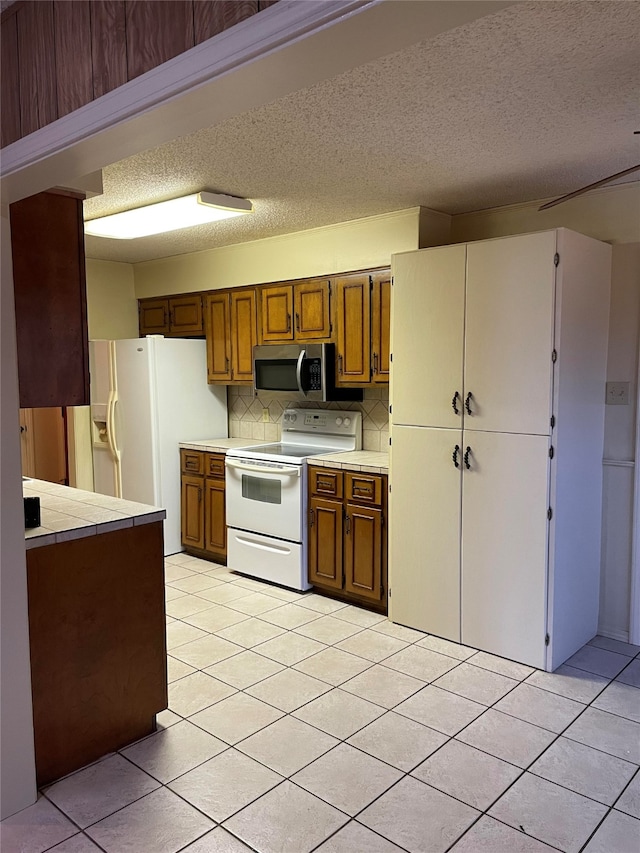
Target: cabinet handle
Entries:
(312, 518)
(375, 362)
(340, 364)
(226, 364)
(199, 494)
(288, 322)
(172, 317)
(297, 322)
(466, 458)
(467, 403)
(164, 317)
(454, 403)
(454, 455)
(347, 521)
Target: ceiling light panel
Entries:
(185, 212)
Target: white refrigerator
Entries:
(147, 395)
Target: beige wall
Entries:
(613, 215)
(361, 244)
(112, 308)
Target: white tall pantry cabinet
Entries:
(497, 417)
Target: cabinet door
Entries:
(380, 327)
(363, 551)
(185, 314)
(325, 542)
(312, 306)
(353, 319)
(215, 522)
(153, 316)
(424, 530)
(427, 336)
(243, 334)
(218, 322)
(504, 544)
(276, 304)
(509, 333)
(192, 511)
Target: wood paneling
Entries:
(211, 17)
(37, 68)
(156, 32)
(47, 241)
(98, 649)
(108, 45)
(10, 82)
(72, 31)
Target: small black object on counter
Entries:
(31, 512)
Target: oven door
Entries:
(265, 497)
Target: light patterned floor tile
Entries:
(441, 710)
(467, 774)
(333, 666)
(398, 632)
(286, 819)
(618, 832)
(195, 692)
(205, 651)
(288, 690)
(358, 616)
(290, 616)
(338, 713)
(629, 801)
(225, 592)
(631, 674)
(225, 784)
(621, 699)
(355, 837)
(236, 718)
(255, 603)
(36, 828)
(446, 647)
(570, 682)
(287, 745)
(166, 718)
(215, 618)
(217, 841)
(411, 812)
(608, 732)
(186, 605)
(383, 686)
(177, 669)
(244, 669)
(615, 646)
(506, 737)
(160, 822)
(174, 572)
(476, 684)
(100, 789)
(549, 813)
(372, 645)
(401, 742)
(194, 583)
(584, 770)
(328, 630)
(173, 751)
(250, 632)
(502, 666)
(599, 661)
(289, 648)
(321, 604)
(80, 843)
(491, 836)
(540, 707)
(347, 778)
(421, 663)
(170, 594)
(179, 634)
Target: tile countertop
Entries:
(68, 513)
(370, 461)
(221, 445)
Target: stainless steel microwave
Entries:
(307, 369)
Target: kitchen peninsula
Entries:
(95, 575)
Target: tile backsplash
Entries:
(246, 414)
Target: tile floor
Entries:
(297, 724)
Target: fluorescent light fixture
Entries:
(185, 212)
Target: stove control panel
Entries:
(325, 421)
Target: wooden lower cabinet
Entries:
(203, 517)
(347, 552)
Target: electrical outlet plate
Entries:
(265, 415)
(617, 394)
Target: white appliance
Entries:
(497, 416)
(266, 492)
(147, 395)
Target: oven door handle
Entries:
(301, 358)
(263, 469)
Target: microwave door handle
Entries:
(299, 372)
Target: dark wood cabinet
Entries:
(204, 524)
(296, 311)
(47, 243)
(244, 335)
(347, 554)
(353, 322)
(276, 313)
(232, 333)
(173, 316)
(218, 323)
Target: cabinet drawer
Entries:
(364, 488)
(325, 481)
(214, 466)
(191, 462)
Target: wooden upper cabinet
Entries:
(312, 310)
(185, 316)
(276, 306)
(244, 334)
(153, 317)
(218, 323)
(47, 242)
(353, 320)
(380, 326)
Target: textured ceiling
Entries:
(532, 102)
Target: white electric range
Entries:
(266, 494)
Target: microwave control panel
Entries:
(315, 374)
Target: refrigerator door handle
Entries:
(113, 447)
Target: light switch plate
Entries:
(617, 394)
